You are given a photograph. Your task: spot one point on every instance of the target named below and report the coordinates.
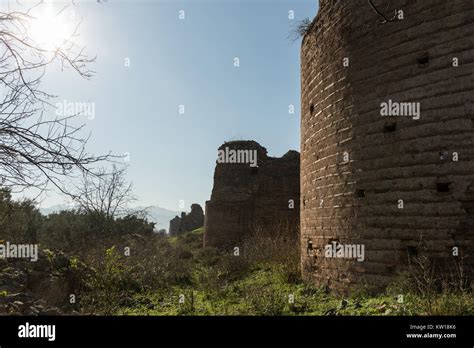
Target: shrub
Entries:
(19, 220)
(111, 285)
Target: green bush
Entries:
(111, 285)
(19, 220)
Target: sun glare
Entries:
(51, 28)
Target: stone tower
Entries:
(375, 172)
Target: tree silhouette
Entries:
(35, 148)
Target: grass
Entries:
(216, 283)
(261, 292)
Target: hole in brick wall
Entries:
(390, 127)
(412, 251)
(423, 60)
(310, 245)
(360, 193)
(311, 109)
(443, 186)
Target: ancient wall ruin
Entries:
(399, 185)
(187, 222)
(246, 197)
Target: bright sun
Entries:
(51, 28)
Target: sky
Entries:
(150, 61)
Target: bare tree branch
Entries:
(105, 195)
(36, 149)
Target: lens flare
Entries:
(51, 28)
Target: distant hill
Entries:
(160, 216)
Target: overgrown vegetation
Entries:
(166, 276)
(130, 270)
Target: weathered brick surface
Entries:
(245, 198)
(390, 158)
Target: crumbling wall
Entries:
(187, 222)
(246, 197)
(400, 186)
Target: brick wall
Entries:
(357, 165)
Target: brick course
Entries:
(390, 158)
